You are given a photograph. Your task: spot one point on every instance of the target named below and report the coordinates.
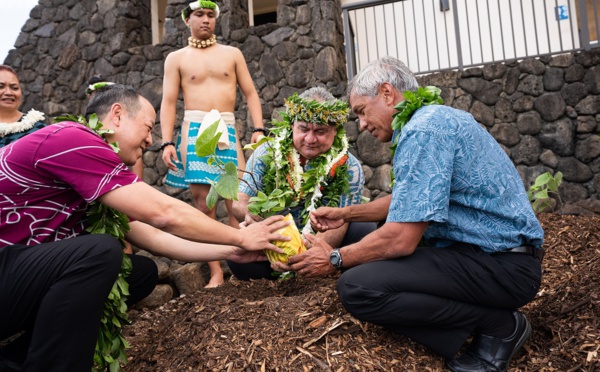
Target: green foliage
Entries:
(111, 345)
(267, 205)
(413, 101)
(207, 141)
(544, 185)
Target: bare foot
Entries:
(215, 281)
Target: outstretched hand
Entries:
(326, 218)
(258, 236)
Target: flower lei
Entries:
(326, 177)
(413, 101)
(27, 122)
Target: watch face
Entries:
(335, 259)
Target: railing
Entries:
(435, 35)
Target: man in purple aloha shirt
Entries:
(54, 280)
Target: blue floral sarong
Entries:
(196, 169)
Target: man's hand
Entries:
(313, 262)
(169, 155)
(326, 218)
(241, 256)
(258, 236)
(249, 219)
(256, 137)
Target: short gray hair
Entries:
(383, 70)
(318, 94)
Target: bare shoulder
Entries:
(176, 55)
(230, 51)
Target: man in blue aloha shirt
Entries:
(460, 250)
(307, 156)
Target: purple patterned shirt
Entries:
(48, 178)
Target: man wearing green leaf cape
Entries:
(54, 280)
(460, 250)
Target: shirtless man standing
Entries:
(208, 74)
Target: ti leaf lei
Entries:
(111, 345)
(413, 100)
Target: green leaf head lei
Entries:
(200, 4)
(326, 177)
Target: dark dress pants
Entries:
(440, 296)
(262, 270)
(55, 292)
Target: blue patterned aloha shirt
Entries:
(452, 172)
(257, 166)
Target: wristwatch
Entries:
(335, 259)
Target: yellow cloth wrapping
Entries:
(290, 248)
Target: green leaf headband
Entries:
(94, 87)
(200, 4)
(329, 113)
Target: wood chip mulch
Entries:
(300, 325)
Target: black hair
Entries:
(104, 97)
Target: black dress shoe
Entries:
(493, 354)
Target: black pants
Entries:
(440, 296)
(262, 270)
(56, 291)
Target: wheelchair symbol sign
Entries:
(562, 12)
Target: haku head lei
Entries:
(92, 88)
(330, 113)
(200, 4)
(322, 180)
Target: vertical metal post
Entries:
(437, 45)
(349, 40)
(469, 35)
(479, 30)
(571, 29)
(376, 38)
(560, 38)
(426, 38)
(584, 33)
(524, 32)
(537, 43)
(501, 30)
(457, 35)
(416, 41)
(490, 29)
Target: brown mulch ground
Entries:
(300, 325)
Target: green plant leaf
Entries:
(212, 197)
(228, 183)
(206, 143)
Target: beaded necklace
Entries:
(200, 44)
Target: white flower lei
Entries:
(297, 172)
(307, 229)
(26, 123)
